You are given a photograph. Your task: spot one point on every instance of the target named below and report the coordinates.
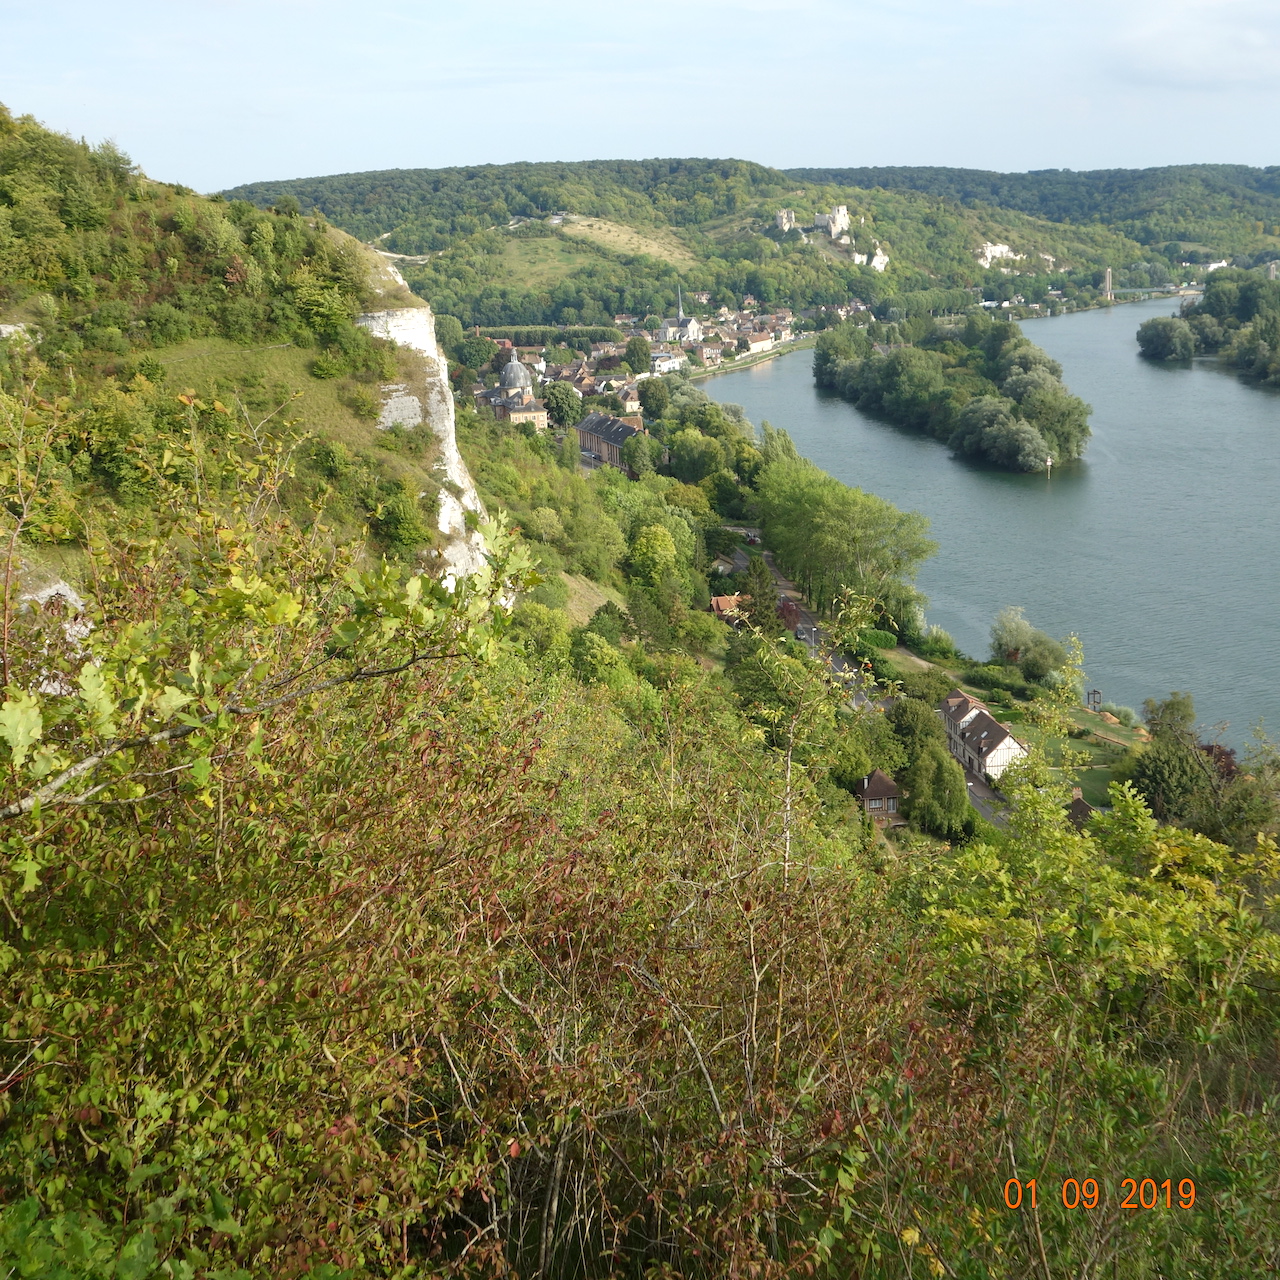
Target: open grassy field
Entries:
(585, 597)
(534, 264)
(627, 240)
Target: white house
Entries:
(976, 738)
(758, 342)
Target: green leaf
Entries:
(169, 702)
(21, 726)
(284, 609)
(97, 699)
(202, 770)
(218, 1216)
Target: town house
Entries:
(976, 738)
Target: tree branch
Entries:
(51, 792)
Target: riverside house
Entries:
(976, 738)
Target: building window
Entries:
(875, 804)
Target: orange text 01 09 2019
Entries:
(1086, 1193)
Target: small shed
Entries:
(879, 795)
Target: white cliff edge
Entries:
(415, 328)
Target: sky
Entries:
(213, 93)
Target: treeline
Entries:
(982, 388)
(551, 335)
(476, 223)
(431, 208)
(1237, 318)
(1233, 208)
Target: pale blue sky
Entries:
(218, 92)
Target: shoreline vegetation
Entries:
(977, 385)
(1236, 319)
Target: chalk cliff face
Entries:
(415, 328)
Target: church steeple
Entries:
(679, 305)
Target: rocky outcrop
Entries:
(415, 328)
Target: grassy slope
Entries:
(629, 241)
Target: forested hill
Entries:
(631, 231)
(1218, 205)
(440, 204)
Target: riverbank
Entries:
(1160, 538)
(747, 362)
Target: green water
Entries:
(1159, 550)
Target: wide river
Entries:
(1160, 550)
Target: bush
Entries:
(990, 676)
(928, 686)
(878, 639)
(936, 643)
(552, 591)
(1166, 338)
(1126, 715)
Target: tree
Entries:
(762, 607)
(937, 798)
(654, 397)
(638, 454)
(449, 333)
(564, 406)
(695, 456)
(1011, 633)
(832, 537)
(639, 355)
(569, 455)
(610, 622)
(915, 724)
(1166, 338)
(653, 555)
(476, 352)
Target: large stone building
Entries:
(512, 400)
(601, 437)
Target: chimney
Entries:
(1077, 794)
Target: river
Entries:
(1159, 549)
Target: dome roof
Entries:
(515, 375)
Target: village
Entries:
(677, 344)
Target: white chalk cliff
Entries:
(415, 328)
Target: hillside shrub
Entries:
(879, 639)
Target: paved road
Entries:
(988, 802)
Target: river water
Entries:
(1159, 549)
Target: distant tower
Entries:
(679, 304)
(1273, 270)
(1106, 287)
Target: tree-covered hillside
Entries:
(361, 924)
(130, 290)
(489, 253)
(1227, 208)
